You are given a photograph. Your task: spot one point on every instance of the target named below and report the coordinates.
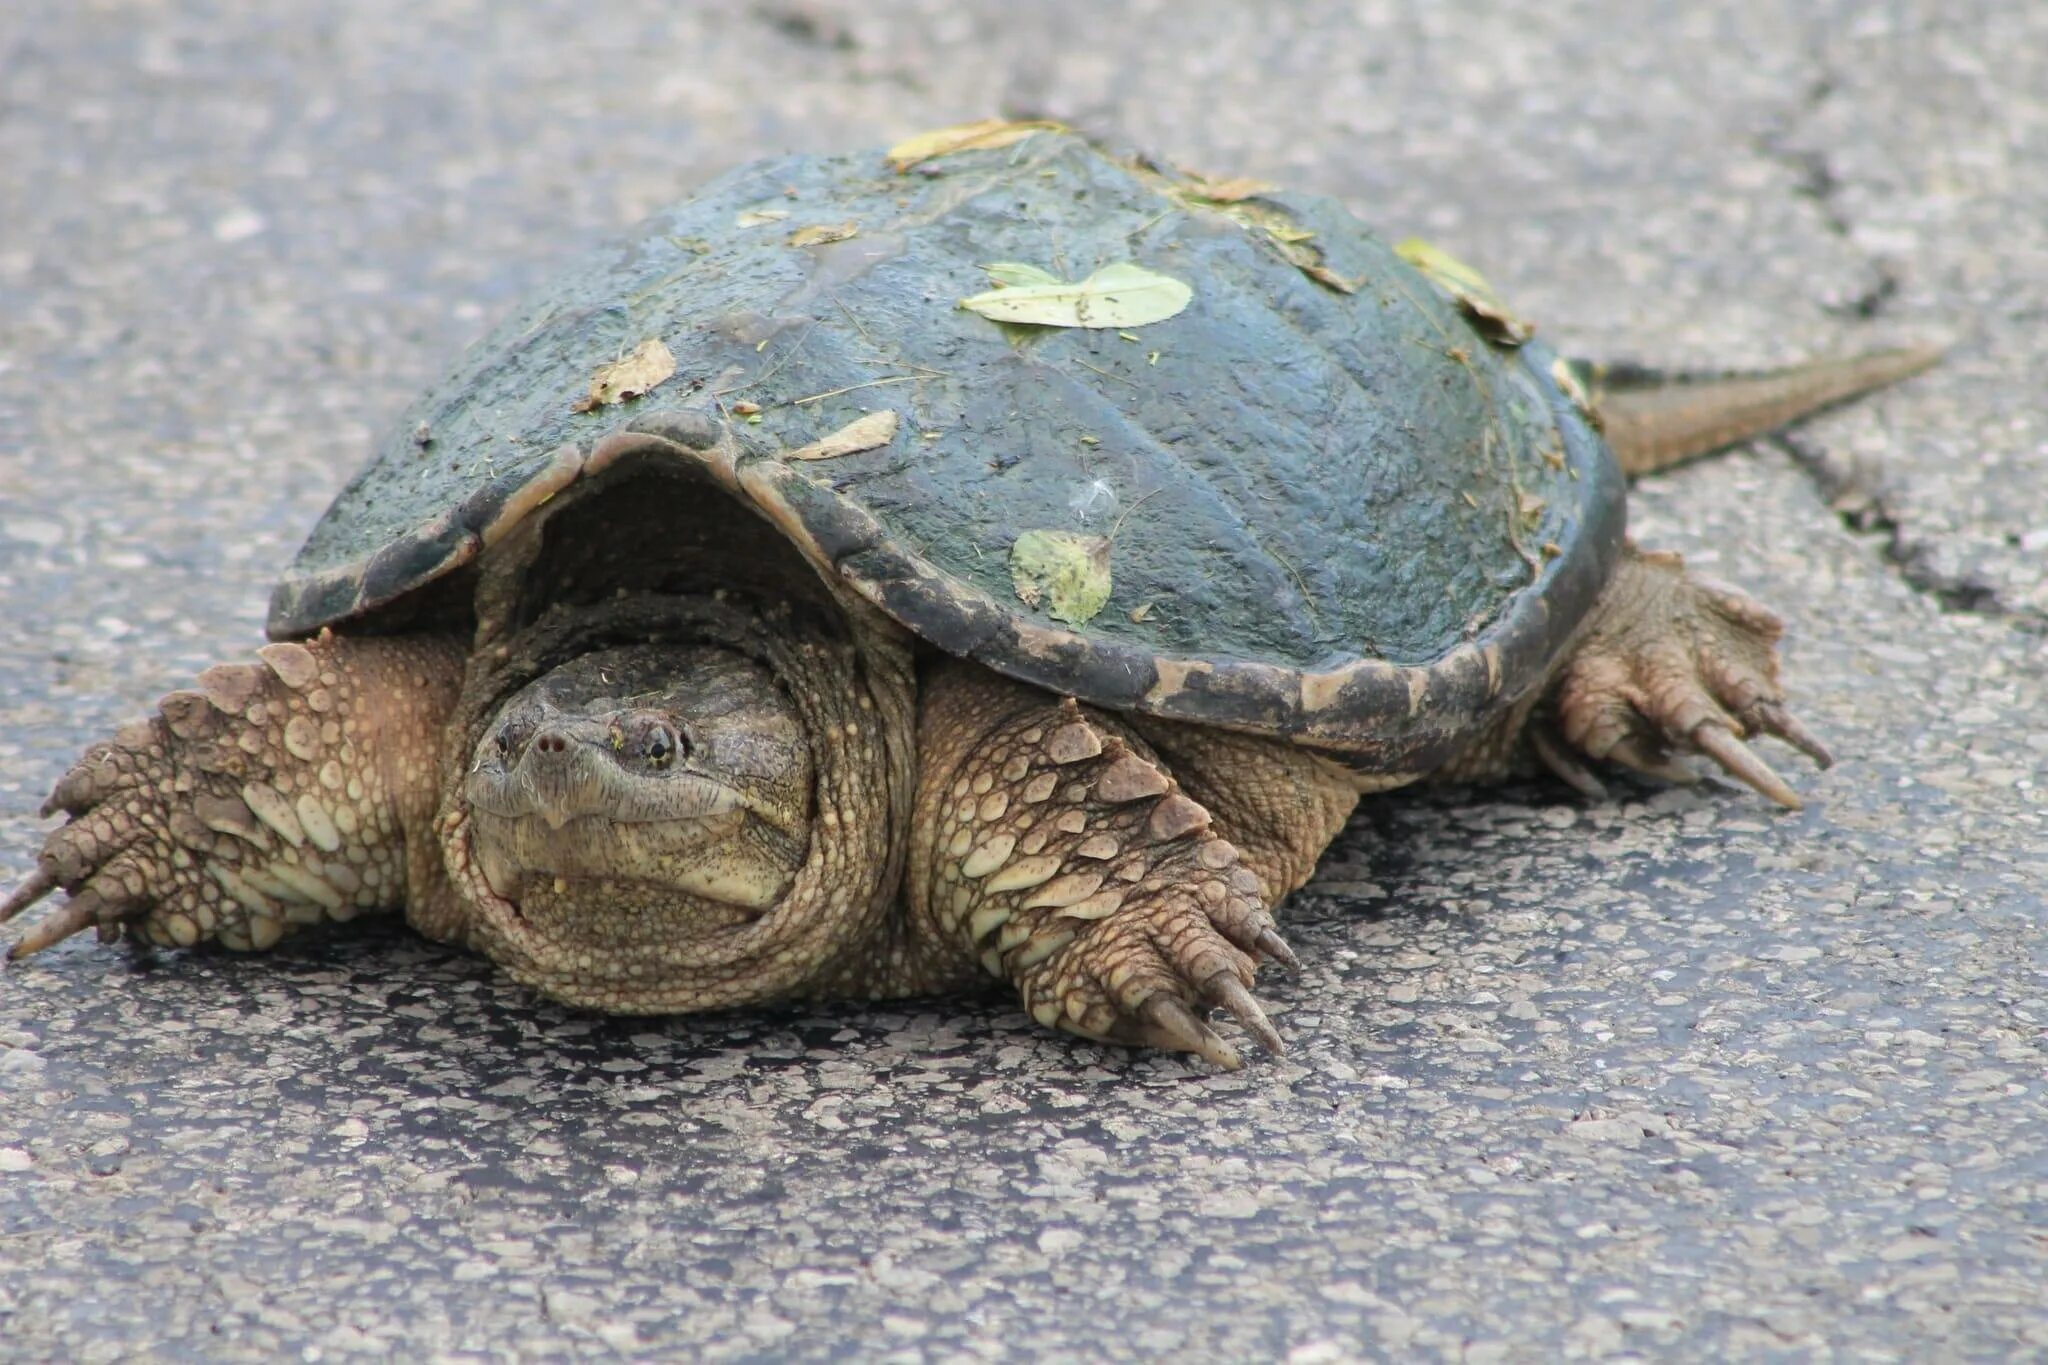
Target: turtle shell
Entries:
(1328, 499)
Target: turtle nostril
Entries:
(550, 743)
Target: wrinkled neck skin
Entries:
(670, 803)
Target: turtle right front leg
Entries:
(273, 794)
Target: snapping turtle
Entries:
(1005, 559)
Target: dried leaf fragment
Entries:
(1329, 278)
(1287, 237)
(648, 365)
(1233, 190)
(985, 135)
(1469, 288)
(749, 218)
(1065, 572)
(866, 432)
(1568, 382)
(1124, 294)
(820, 233)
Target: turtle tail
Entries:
(1654, 420)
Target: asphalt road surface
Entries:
(1674, 1075)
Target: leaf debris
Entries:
(818, 234)
(1120, 295)
(1469, 288)
(1064, 571)
(1236, 189)
(866, 432)
(648, 365)
(750, 218)
(984, 135)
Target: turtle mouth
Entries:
(613, 943)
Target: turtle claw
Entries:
(40, 883)
(1172, 1026)
(1563, 764)
(1272, 945)
(1671, 667)
(1771, 718)
(76, 917)
(1226, 990)
(1740, 762)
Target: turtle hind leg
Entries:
(1669, 666)
(272, 794)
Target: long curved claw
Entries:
(1272, 945)
(1652, 760)
(1226, 990)
(74, 918)
(1562, 764)
(1171, 1024)
(1740, 762)
(1770, 718)
(40, 883)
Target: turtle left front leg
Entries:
(1067, 852)
(1667, 666)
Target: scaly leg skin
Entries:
(273, 794)
(1053, 844)
(1668, 666)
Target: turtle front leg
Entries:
(1668, 666)
(272, 794)
(1053, 844)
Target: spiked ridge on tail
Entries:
(1654, 420)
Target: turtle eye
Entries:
(658, 744)
(511, 738)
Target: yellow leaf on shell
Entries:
(1065, 572)
(820, 233)
(648, 365)
(862, 433)
(985, 135)
(1116, 296)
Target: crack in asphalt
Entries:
(1874, 511)
(1863, 505)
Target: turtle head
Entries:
(633, 799)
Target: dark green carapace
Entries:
(1335, 508)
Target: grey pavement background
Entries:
(1675, 1075)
